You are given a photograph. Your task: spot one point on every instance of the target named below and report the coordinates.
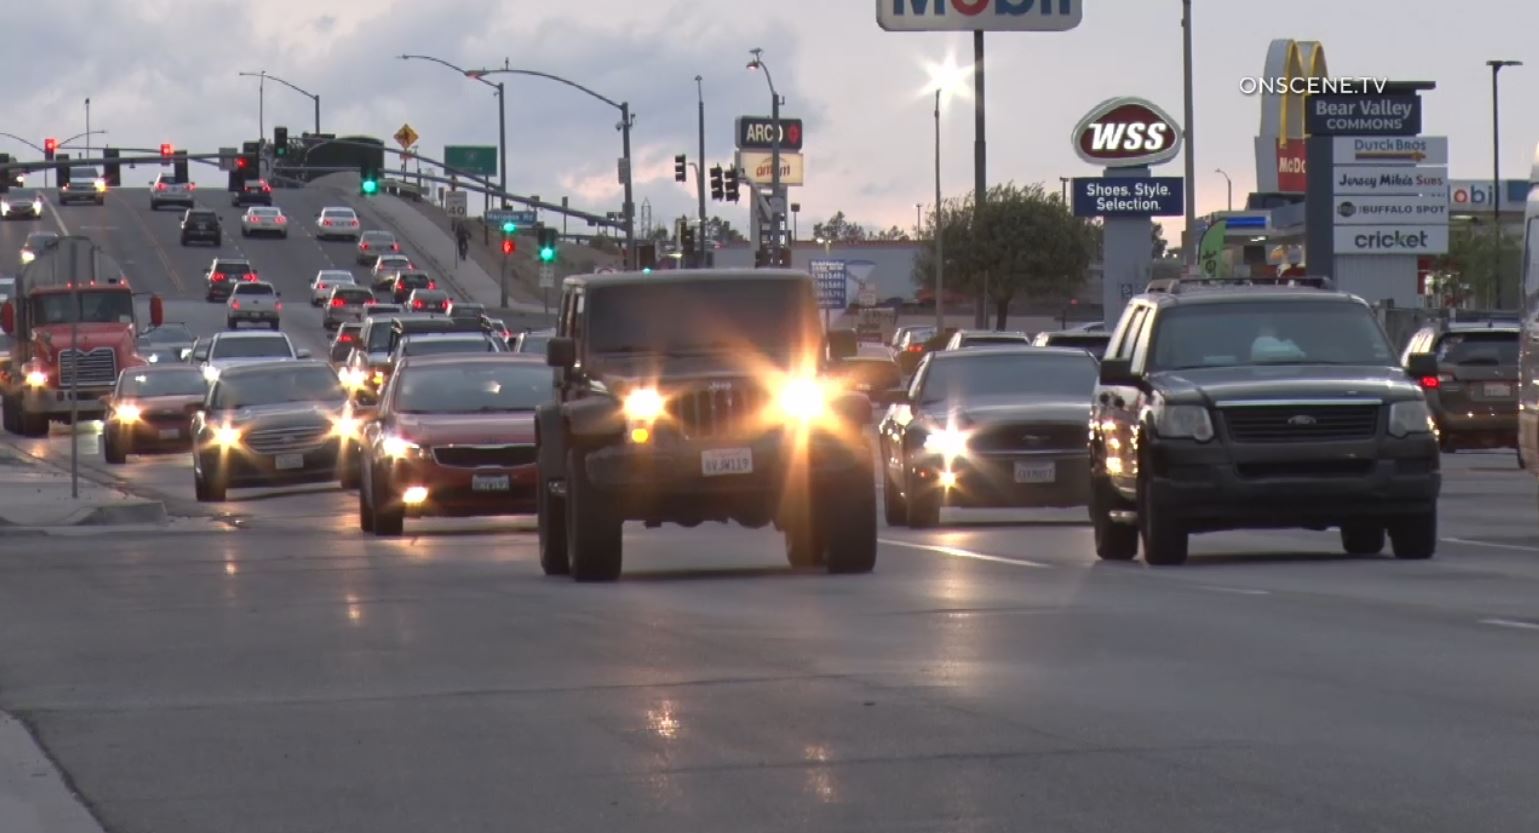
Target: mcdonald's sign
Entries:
(1280, 142)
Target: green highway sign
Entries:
(480, 160)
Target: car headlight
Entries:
(346, 426)
(1408, 418)
(1183, 422)
(227, 436)
(399, 448)
(38, 206)
(803, 399)
(37, 378)
(27, 256)
(950, 443)
(101, 184)
(643, 405)
(128, 413)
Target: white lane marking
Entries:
(958, 552)
(1241, 591)
(1511, 623)
(58, 218)
(1491, 544)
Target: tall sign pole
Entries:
(700, 257)
(1190, 247)
(980, 169)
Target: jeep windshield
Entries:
(1272, 332)
(95, 308)
(771, 318)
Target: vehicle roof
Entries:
(460, 359)
(426, 293)
(49, 235)
(684, 276)
(249, 334)
(1494, 326)
(244, 284)
(1024, 350)
(162, 368)
(258, 367)
(1204, 296)
(338, 208)
(985, 333)
(1085, 334)
(264, 209)
(435, 323)
(377, 232)
(232, 260)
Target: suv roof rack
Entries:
(1490, 318)
(1176, 286)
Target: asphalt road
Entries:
(287, 673)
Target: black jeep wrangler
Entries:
(700, 396)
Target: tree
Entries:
(1026, 243)
(1465, 275)
(894, 233)
(1157, 240)
(839, 229)
(658, 233)
(722, 231)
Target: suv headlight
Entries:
(803, 399)
(1183, 422)
(399, 448)
(949, 443)
(643, 405)
(1408, 418)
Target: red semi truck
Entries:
(62, 329)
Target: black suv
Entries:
(224, 273)
(252, 192)
(699, 396)
(1474, 396)
(201, 224)
(1223, 408)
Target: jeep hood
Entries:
(1227, 384)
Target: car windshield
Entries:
(253, 347)
(873, 374)
(770, 317)
(232, 267)
(1009, 374)
(189, 382)
(378, 237)
(379, 335)
(533, 342)
(919, 335)
(21, 195)
(335, 278)
(1490, 349)
(277, 386)
(435, 346)
(202, 216)
(974, 341)
(264, 212)
(468, 310)
(254, 289)
(1275, 332)
(168, 334)
(474, 387)
(1095, 343)
(338, 214)
(351, 295)
(82, 173)
(39, 239)
(95, 307)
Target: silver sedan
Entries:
(264, 219)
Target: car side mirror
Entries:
(893, 396)
(1118, 373)
(303, 354)
(561, 353)
(1421, 365)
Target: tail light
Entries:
(266, 189)
(192, 186)
(234, 304)
(218, 277)
(160, 186)
(251, 276)
(345, 338)
(432, 284)
(395, 247)
(1430, 382)
(278, 306)
(364, 246)
(325, 222)
(915, 348)
(282, 219)
(418, 305)
(337, 302)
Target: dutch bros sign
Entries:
(979, 15)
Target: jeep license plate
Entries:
(717, 462)
(1036, 472)
(285, 462)
(1498, 389)
(490, 483)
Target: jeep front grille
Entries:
(718, 411)
(1301, 423)
(475, 456)
(96, 367)
(287, 438)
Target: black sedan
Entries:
(990, 427)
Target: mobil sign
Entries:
(1127, 133)
(979, 15)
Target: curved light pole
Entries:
(316, 99)
(1229, 183)
(1496, 179)
(626, 121)
(502, 119)
(29, 143)
(82, 136)
(776, 212)
(946, 79)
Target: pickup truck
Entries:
(253, 303)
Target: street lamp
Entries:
(65, 143)
(700, 256)
(315, 99)
(502, 120)
(88, 127)
(776, 219)
(1496, 178)
(626, 122)
(1229, 184)
(946, 80)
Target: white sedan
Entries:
(327, 280)
(264, 219)
(337, 222)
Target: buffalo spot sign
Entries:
(979, 15)
(1127, 133)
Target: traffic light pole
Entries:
(630, 207)
(700, 258)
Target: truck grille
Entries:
(722, 410)
(96, 367)
(1301, 423)
(287, 438)
(476, 456)
(1029, 437)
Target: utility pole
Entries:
(700, 257)
(980, 166)
(1496, 182)
(1191, 152)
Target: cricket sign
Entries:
(1127, 133)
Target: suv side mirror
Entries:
(1421, 365)
(1118, 373)
(561, 353)
(894, 396)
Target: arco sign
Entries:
(979, 15)
(1126, 133)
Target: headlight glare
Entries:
(399, 448)
(346, 427)
(947, 442)
(1408, 418)
(803, 399)
(227, 436)
(643, 405)
(128, 413)
(37, 378)
(1183, 422)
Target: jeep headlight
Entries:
(1183, 422)
(949, 443)
(643, 405)
(128, 413)
(1408, 418)
(803, 399)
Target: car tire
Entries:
(894, 509)
(805, 544)
(389, 514)
(112, 446)
(32, 425)
(595, 549)
(208, 482)
(1414, 538)
(366, 501)
(550, 511)
(848, 521)
(349, 469)
(1361, 538)
(924, 506)
(1113, 541)
(1165, 540)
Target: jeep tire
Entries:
(1414, 537)
(847, 525)
(550, 510)
(1165, 540)
(593, 527)
(1362, 538)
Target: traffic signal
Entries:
(113, 170)
(547, 245)
(730, 177)
(368, 179)
(280, 142)
(509, 228)
(179, 166)
(508, 246)
(680, 168)
(716, 187)
(247, 164)
(166, 150)
(50, 147)
(687, 240)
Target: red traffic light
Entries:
(50, 144)
(240, 163)
(509, 247)
(166, 150)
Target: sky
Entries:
(167, 71)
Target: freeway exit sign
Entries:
(758, 133)
(498, 216)
(477, 160)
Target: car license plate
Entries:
(725, 461)
(1036, 472)
(170, 433)
(284, 462)
(1497, 389)
(490, 483)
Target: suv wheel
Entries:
(594, 547)
(924, 505)
(31, 425)
(848, 524)
(112, 446)
(1414, 537)
(799, 522)
(1164, 539)
(1113, 541)
(551, 513)
(1362, 538)
(208, 483)
(365, 506)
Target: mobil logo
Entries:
(979, 15)
(1468, 193)
(1127, 132)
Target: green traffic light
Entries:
(510, 227)
(370, 186)
(548, 254)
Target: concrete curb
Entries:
(123, 512)
(34, 796)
